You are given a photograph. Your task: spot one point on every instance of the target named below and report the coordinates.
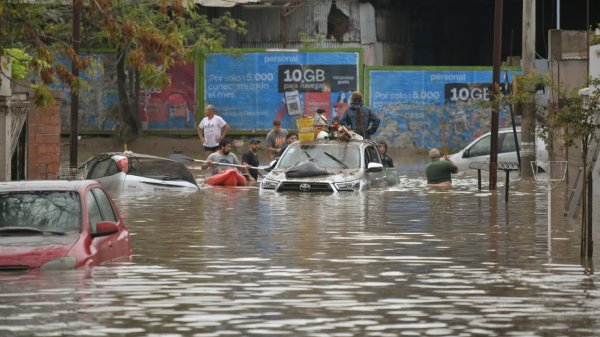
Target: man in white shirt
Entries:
(212, 129)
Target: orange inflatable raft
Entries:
(229, 177)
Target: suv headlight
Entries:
(269, 184)
(348, 186)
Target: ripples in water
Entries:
(405, 261)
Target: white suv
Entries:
(479, 150)
(329, 166)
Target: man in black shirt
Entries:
(251, 158)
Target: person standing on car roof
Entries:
(360, 118)
(439, 172)
(212, 129)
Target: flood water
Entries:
(405, 261)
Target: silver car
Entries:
(129, 171)
(329, 166)
(479, 150)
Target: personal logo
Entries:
(304, 187)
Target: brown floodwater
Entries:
(403, 261)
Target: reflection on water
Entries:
(406, 261)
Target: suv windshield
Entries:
(47, 211)
(327, 155)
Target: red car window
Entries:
(94, 215)
(43, 210)
(106, 211)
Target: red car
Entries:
(58, 225)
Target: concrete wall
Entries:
(5, 94)
(568, 66)
(595, 74)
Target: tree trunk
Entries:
(528, 111)
(134, 106)
(527, 139)
(128, 128)
(585, 203)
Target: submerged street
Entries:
(405, 261)
(309, 96)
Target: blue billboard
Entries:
(252, 89)
(414, 105)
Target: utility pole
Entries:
(498, 11)
(528, 109)
(75, 93)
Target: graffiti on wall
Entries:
(252, 89)
(96, 105)
(173, 106)
(416, 104)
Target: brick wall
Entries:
(43, 143)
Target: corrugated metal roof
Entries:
(309, 18)
(224, 3)
(297, 45)
(232, 3)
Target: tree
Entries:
(148, 37)
(22, 29)
(571, 119)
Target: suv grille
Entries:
(314, 187)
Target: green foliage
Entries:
(576, 119)
(19, 62)
(153, 77)
(42, 95)
(310, 42)
(35, 33)
(594, 39)
(154, 35)
(150, 36)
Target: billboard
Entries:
(252, 89)
(414, 105)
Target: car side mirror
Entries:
(466, 153)
(374, 167)
(271, 165)
(104, 228)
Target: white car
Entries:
(479, 150)
(129, 171)
(329, 166)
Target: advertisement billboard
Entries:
(414, 104)
(252, 89)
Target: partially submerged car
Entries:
(129, 171)
(329, 166)
(478, 151)
(58, 225)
